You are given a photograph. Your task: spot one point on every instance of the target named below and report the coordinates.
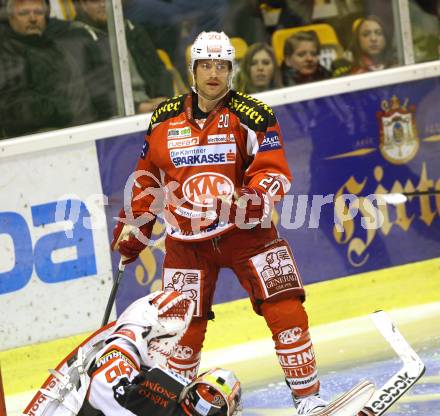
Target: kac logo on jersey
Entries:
(270, 142)
(202, 188)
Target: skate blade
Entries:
(350, 403)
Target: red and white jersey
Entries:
(119, 387)
(195, 161)
(118, 361)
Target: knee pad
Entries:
(283, 314)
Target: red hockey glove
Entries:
(250, 206)
(131, 240)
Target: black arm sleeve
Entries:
(151, 393)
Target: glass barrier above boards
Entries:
(57, 69)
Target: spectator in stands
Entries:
(425, 25)
(301, 59)
(279, 14)
(258, 70)
(40, 85)
(243, 19)
(173, 24)
(151, 82)
(371, 47)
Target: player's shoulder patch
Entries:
(113, 353)
(168, 109)
(254, 113)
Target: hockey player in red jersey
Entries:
(213, 164)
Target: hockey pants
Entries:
(266, 269)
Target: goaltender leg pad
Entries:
(63, 393)
(350, 403)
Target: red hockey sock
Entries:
(186, 356)
(288, 322)
(295, 353)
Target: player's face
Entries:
(95, 10)
(262, 69)
(28, 17)
(371, 38)
(305, 58)
(212, 77)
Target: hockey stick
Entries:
(111, 299)
(2, 396)
(413, 368)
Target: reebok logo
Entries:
(391, 394)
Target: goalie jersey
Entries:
(119, 387)
(189, 158)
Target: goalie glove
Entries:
(249, 206)
(130, 240)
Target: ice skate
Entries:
(310, 404)
(348, 404)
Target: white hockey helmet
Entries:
(212, 45)
(155, 324)
(214, 393)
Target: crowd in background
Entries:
(56, 64)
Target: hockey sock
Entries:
(296, 356)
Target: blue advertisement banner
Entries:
(342, 151)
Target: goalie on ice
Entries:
(122, 370)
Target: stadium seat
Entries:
(165, 58)
(63, 9)
(356, 24)
(330, 46)
(240, 46)
(179, 86)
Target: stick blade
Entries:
(412, 370)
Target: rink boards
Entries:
(60, 191)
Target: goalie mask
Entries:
(214, 393)
(212, 45)
(155, 324)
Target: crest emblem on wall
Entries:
(399, 141)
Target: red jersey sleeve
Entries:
(269, 170)
(147, 192)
